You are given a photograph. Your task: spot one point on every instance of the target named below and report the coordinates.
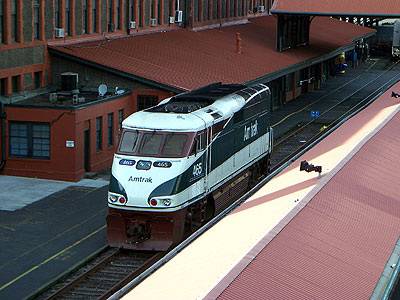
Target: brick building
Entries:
(152, 49)
(27, 26)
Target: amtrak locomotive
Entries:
(183, 161)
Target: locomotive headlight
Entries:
(167, 202)
(158, 201)
(112, 198)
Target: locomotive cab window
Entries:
(128, 141)
(174, 144)
(199, 144)
(151, 143)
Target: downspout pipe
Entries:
(3, 136)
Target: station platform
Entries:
(48, 227)
(303, 236)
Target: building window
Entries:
(110, 10)
(15, 84)
(144, 101)
(14, 20)
(99, 132)
(37, 78)
(133, 12)
(67, 17)
(57, 13)
(110, 129)
(3, 82)
(139, 17)
(159, 12)
(85, 17)
(31, 140)
(36, 20)
(1, 21)
(94, 15)
(119, 14)
(120, 119)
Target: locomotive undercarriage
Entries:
(144, 230)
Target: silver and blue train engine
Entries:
(183, 161)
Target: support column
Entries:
(42, 20)
(89, 8)
(7, 24)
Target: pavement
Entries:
(35, 189)
(49, 227)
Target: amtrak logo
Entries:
(250, 131)
(141, 179)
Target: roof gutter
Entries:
(3, 136)
(390, 274)
(331, 14)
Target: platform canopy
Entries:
(383, 8)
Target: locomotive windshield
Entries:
(174, 144)
(150, 144)
(129, 141)
(156, 143)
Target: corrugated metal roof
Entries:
(338, 7)
(186, 59)
(337, 246)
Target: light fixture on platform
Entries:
(395, 95)
(305, 166)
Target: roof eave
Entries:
(293, 68)
(117, 72)
(330, 14)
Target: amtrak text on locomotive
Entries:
(141, 179)
(250, 131)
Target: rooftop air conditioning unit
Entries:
(59, 33)
(53, 97)
(153, 22)
(178, 16)
(132, 24)
(111, 27)
(171, 20)
(261, 8)
(69, 81)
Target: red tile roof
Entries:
(187, 59)
(338, 7)
(337, 246)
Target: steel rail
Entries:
(336, 105)
(81, 277)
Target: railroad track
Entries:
(105, 276)
(305, 134)
(118, 271)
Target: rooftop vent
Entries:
(69, 81)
